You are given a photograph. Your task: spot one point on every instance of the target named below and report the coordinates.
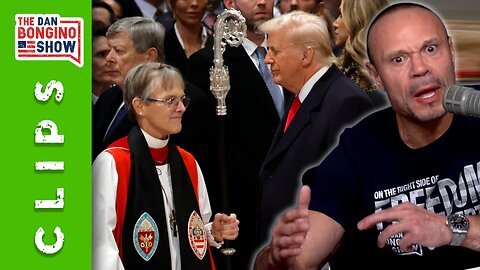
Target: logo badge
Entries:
(392, 243)
(145, 236)
(49, 37)
(197, 235)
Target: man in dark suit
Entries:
(125, 53)
(251, 120)
(133, 41)
(154, 9)
(325, 102)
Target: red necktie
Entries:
(292, 111)
(159, 155)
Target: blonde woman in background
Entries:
(350, 28)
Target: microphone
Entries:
(462, 100)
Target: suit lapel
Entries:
(282, 141)
(104, 112)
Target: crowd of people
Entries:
(334, 110)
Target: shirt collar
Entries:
(148, 10)
(204, 36)
(307, 87)
(94, 98)
(250, 47)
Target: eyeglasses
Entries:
(171, 102)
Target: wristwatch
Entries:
(459, 224)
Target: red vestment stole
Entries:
(121, 153)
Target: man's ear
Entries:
(320, 9)
(374, 74)
(228, 4)
(151, 55)
(308, 56)
(452, 49)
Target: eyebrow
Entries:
(433, 40)
(102, 51)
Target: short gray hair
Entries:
(139, 79)
(305, 29)
(144, 32)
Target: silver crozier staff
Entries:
(230, 28)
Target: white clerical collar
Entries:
(154, 142)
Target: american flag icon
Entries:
(26, 46)
(31, 44)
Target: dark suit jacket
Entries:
(250, 124)
(191, 137)
(102, 115)
(334, 102)
(131, 9)
(174, 53)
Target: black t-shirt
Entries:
(372, 169)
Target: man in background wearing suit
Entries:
(325, 101)
(155, 9)
(251, 120)
(133, 41)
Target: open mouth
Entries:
(426, 95)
